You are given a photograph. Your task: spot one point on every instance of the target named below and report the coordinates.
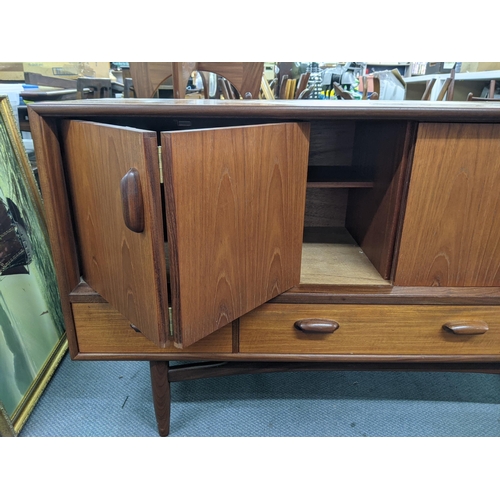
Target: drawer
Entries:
(370, 329)
(102, 329)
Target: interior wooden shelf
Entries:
(330, 256)
(338, 177)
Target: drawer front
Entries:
(370, 329)
(102, 329)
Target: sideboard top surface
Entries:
(437, 111)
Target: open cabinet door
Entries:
(235, 201)
(115, 196)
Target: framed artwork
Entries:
(32, 340)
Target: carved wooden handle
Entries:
(466, 327)
(316, 325)
(132, 205)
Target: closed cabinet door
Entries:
(234, 210)
(451, 228)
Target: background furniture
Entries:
(41, 94)
(148, 76)
(428, 89)
(93, 88)
(403, 67)
(464, 83)
(331, 234)
(448, 88)
(245, 77)
(49, 81)
(490, 96)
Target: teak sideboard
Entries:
(257, 236)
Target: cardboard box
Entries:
(71, 70)
(11, 72)
(392, 85)
(472, 67)
(433, 68)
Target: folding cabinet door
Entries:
(235, 201)
(115, 197)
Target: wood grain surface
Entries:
(467, 327)
(331, 143)
(451, 230)
(132, 202)
(126, 268)
(330, 256)
(102, 329)
(235, 201)
(148, 76)
(160, 385)
(369, 329)
(325, 207)
(362, 294)
(57, 215)
(284, 109)
(381, 151)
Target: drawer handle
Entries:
(316, 325)
(132, 205)
(466, 327)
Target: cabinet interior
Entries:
(353, 197)
(354, 189)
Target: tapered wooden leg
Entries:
(161, 395)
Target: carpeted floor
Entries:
(113, 398)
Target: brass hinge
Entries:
(160, 164)
(171, 323)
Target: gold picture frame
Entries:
(32, 333)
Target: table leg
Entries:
(161, 395)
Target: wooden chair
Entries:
(302, 84)
(306, 93)
(128, 88)
(267, 90)
(428, 90)
(244, 77)
(374, 96)
(290, 88)
(491, 94)
(448, 88)
(148, 76)
(341, 93)
(364, 94)
(49, 81)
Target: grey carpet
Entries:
(113, 398)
